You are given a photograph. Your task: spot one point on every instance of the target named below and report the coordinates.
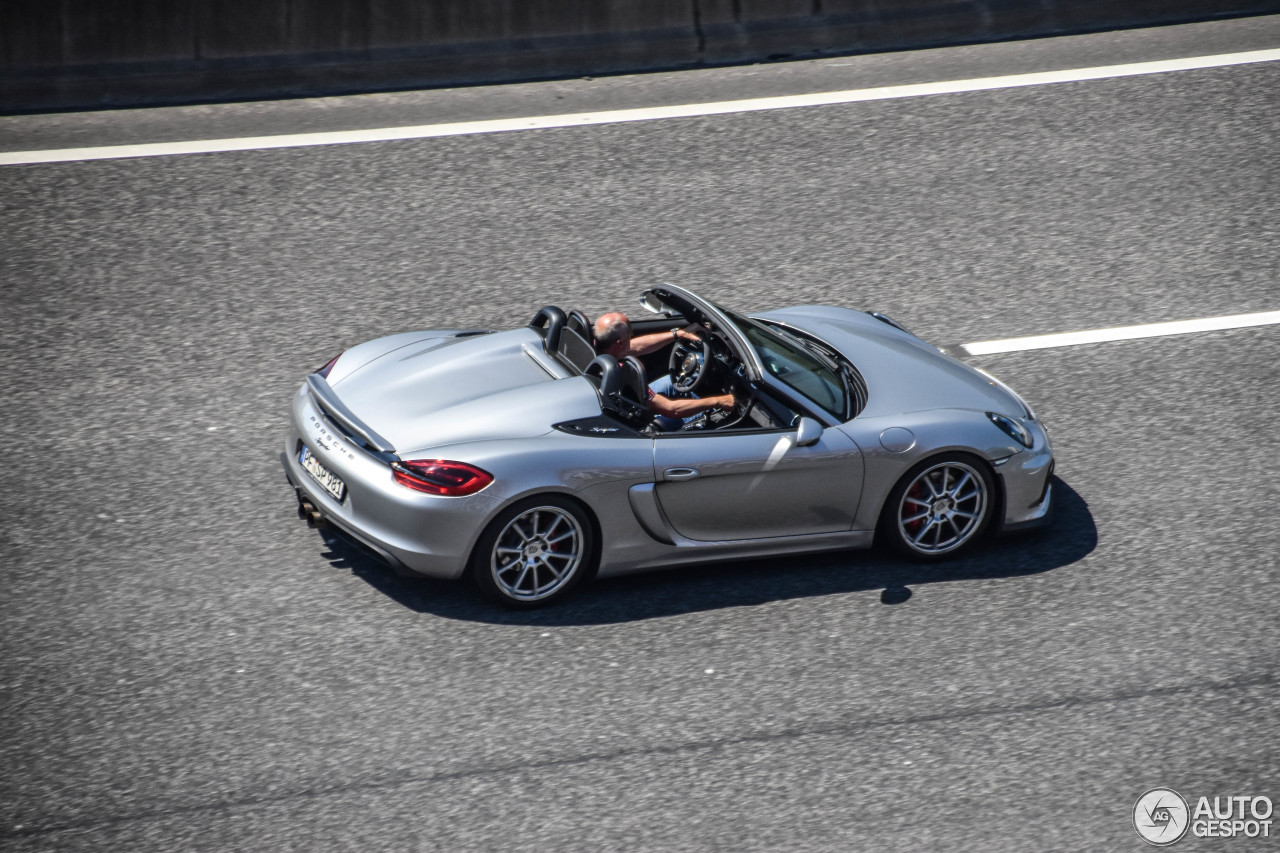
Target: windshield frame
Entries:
(695, 309)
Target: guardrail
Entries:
(87, 53)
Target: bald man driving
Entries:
(613, 337)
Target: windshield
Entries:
(791, 363)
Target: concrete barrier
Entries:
(90, 53)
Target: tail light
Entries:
(441, 477)
(324, 371)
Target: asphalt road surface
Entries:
(186, 666)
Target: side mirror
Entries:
(652, 304)
(808, 432)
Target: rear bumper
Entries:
(411, 531)
(307, 499)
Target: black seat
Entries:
(580, 323)
(604, 374)
(631, 400)
(633, 383)
(549, 321)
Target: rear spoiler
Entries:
(324, 397)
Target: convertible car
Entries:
(525, 460)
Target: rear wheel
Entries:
(939, 507)
(534, 552)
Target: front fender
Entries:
(932, 433)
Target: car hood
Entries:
(439, 391)
(903, 373)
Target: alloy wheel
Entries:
(943, 508)
(537, 553)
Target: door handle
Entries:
(676, 475)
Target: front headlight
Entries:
(1011, 428)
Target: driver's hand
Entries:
(690, 334)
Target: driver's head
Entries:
(613, 334)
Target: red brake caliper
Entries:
(916, 491)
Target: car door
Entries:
(733, 485)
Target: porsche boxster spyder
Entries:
(527, 461)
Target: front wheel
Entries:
(534, 552)
(939, 507)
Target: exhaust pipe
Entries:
(307, 512)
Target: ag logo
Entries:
(1161, 816)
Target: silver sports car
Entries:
(525, 460)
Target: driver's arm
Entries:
(683, 407)
(646, 344)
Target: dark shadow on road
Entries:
(740, 583)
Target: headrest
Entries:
(633, 383)
(603, 371)
(551, 319)
(580, 323)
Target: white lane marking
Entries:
(425, 131)
(1122, 333)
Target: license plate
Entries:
(332, 484)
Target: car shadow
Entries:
(739, 583)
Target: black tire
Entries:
(516, 560)
(933, 513)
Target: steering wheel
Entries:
(690, 364)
